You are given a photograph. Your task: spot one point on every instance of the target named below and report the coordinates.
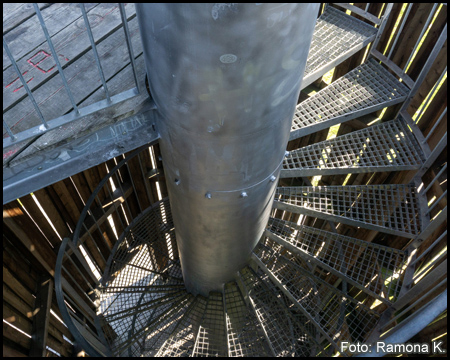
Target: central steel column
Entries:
(225, 79)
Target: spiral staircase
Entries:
(306, 290)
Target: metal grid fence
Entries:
(77, 113)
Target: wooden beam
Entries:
(10, 352)
(25, 230)
(41, 319)
(40, 220)
(14, 336)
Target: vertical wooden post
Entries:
(42, 316)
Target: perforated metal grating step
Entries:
(367, 88)
(244, 334)
(181, 342)
(150, 327)
(336, 37)
(211, 337)
(391, 209)
(389, 146)
(373, 268)
(153, 340)
(279, 324)
(339, 316)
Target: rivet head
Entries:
(286, 153)
(208, 195)
(39, 168)
(177, 181)
(272, 178)
(244, 194)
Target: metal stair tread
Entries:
(181, 341)
(275, 319)
(146, 325)
(153, 341)
(389, 146)
(393, 209)
(327, 305)
(376, 268)
(336, 37)
(211, 337)
(365, 89)
(244, 333)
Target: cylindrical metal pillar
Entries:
(225, 79)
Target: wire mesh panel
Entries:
(391, 209)
(182, 341)
(389, 146)
(211, 338)
(285, 339)
(339, 315)
(367, 88)
(377, 269)
(244, 334)
(336, 36)
(145, 247)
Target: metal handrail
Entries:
(96, 343)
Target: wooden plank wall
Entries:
(30, 242)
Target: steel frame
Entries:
(80, 154)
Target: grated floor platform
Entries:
(389, 146)
(367, 88)
(336, 37)
(392, 209)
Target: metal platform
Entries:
(245, 336)
(367, 88)
(336, 37)
(339, 316)
(389, 146)
(374, 269)
(392, 209)
(211, 337)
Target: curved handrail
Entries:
(79, 338)
(84, 297)
(91, 199)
